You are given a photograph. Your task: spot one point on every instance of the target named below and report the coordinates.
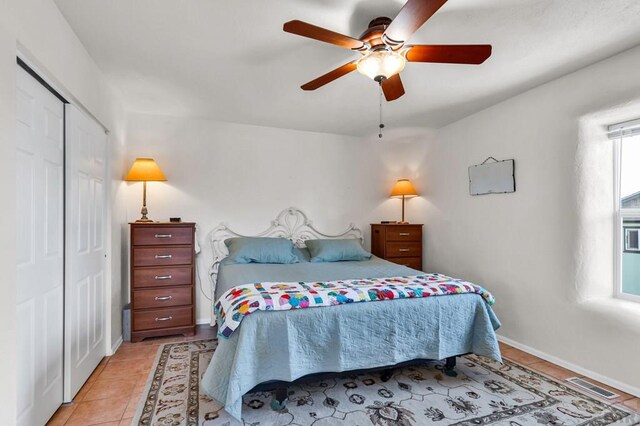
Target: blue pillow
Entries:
(336, 250)
(260, 250)
(302, 254)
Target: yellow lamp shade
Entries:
(145, 169)
(403, 187)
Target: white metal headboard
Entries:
(290, 223)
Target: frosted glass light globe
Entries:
(381, 64)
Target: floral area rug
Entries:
(484, 392)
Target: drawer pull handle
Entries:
(163, 256)
(404, 249)
(164, 236)
(405, 234)
(164, 318)
(163, 277)
(163, 297)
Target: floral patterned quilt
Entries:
(240, 301)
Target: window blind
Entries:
(625, 129)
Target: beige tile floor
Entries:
(111, 395)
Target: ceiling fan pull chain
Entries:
(381, 125)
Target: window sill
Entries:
(627, 298)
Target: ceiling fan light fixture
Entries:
(381, 64)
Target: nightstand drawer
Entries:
(150, 235)
(404, 233)
(161, 277)
(162, 298)
(158, 256)
(408, 249)
(411, 262)
(162, 318)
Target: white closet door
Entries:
(86, 145)
(39, 249)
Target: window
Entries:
(631, 239)
(626, 137)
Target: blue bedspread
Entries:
(286, 345)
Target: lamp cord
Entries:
(381, 125)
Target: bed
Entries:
(272, 349)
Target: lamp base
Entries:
(144, 211)
(403, 223)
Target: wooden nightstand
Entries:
(162, 279)
(397, 243)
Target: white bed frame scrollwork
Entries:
(290, 223)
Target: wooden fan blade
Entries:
(474, 54)
(392, 88)
(318, 33)
(411, 17)
(330, 76)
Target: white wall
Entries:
(245, 175)
(47, 40)
(7, 230)
(545, 251)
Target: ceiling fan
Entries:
(383, 47)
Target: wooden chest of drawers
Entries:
(396, 243)
(162, 279)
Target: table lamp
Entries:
(403, 188)
(145, 170)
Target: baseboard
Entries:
(115, 346)
(632, 390)
(203, 321)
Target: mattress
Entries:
(231, 275)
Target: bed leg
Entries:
(385, 375)
(279, 401)
(449, 367)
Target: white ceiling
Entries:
(231, 61)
